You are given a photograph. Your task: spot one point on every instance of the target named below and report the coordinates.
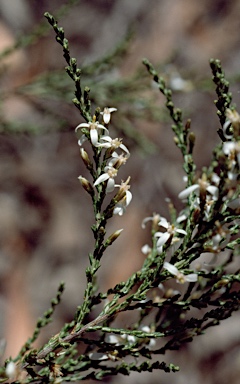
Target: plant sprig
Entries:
(93, 345)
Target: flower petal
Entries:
(146, 249)
(124, 148)
(228, 147)
(213, 190)
(163, 223)
(101, 179)
(158, 234)
(192, 277)
(163, 239)
(112, 109)
(113, 339)
(107, 114)
(106, 138)
(82, 139)
(98, 356)
(100, 126)
(110, 185)
(186, 192)
(82, 125)
(181, 231)
(119, 210)
(131, 339)
(128, 198)
(159, 250)
(94, 137)
(181, 218)
(170, 268)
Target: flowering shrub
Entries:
(164, 316)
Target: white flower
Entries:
(154, 218)
(164, 236)
(130, 339)
(98, 356)
(204, 193)
(231, 124)
(177, 83)
(169, 292)
(11, 369)
(152, 342)
(233, 116)
(219, 242)
(123, 198)
(215, 179)
(114, 339)
(124, 338)
(146, 328)
(107, 114)
(109, 175)
(118, 160)
(108, 142)
(121, 339)
(94, 128)
(232, 150)
(120, 207)
(146, 249)
(220, 239)
(202, 184)
(181, 278)
(182, 217)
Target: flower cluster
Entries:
(205, 194)
(127, 340)
(169, 236)
(180, 277)
(115, 155)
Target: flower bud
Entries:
(85, 158)
(86, 185)
(123, 188)
(203, 189)
(187, 125)
(176, 141)
(222, 283)
(114, 236)
(191, 139)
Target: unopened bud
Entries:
(203, 188)
(114, 236)
(122, 190)
(176, 141)
(86, 185)
(222, 283)
(85, 158)
(188, 125)
(196, 295)
(97, 112)
(191, 139)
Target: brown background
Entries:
(45, 233)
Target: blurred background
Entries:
(45, 215)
